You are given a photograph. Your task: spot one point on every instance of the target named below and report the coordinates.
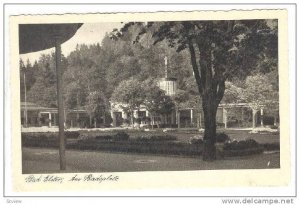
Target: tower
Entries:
(167, 83)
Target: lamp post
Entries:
(25, 101)
(47, 36)
(62, 146)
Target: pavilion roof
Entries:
(37, 37)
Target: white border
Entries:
(23, 9)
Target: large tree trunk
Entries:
(210, 110)
(211, 86)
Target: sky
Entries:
(90, 33)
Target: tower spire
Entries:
(166, 66)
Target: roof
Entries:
(37, 37)
(34, 107)
(168, 79)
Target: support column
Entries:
(60, 103)
(225, 118)
(192, 118)
(200, 122)
(261, 117)
(178, 118)
(54, 119)
(25, 101)
(114, 122)
(77, 119)
(39, 119)
(135, 114)
(124, 115)
(49, 114)
(104, 119)
(172, 117)
(254, 111)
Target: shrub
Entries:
(72, 134)
(83, 137)
(271, 146)
(241, 145)
(120, 136)
(222, 137)
(153, 137)
(219, 124)
(197, 139)
(104, 137)
(273, 126)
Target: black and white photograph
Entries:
(149, 96)
(150, 101)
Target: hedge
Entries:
(156, 147)
(150, 143)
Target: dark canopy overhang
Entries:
(37, 37)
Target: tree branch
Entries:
(220, 92)
(195, 67)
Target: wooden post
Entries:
(62, 148)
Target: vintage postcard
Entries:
(137, 101)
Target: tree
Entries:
(218, 51)
(259, 93)
(272, 103)
(156, 101)
(97, 106)
(233, 93)
(27, 73)
(179, 98)
(131, 94)
(153, 99)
